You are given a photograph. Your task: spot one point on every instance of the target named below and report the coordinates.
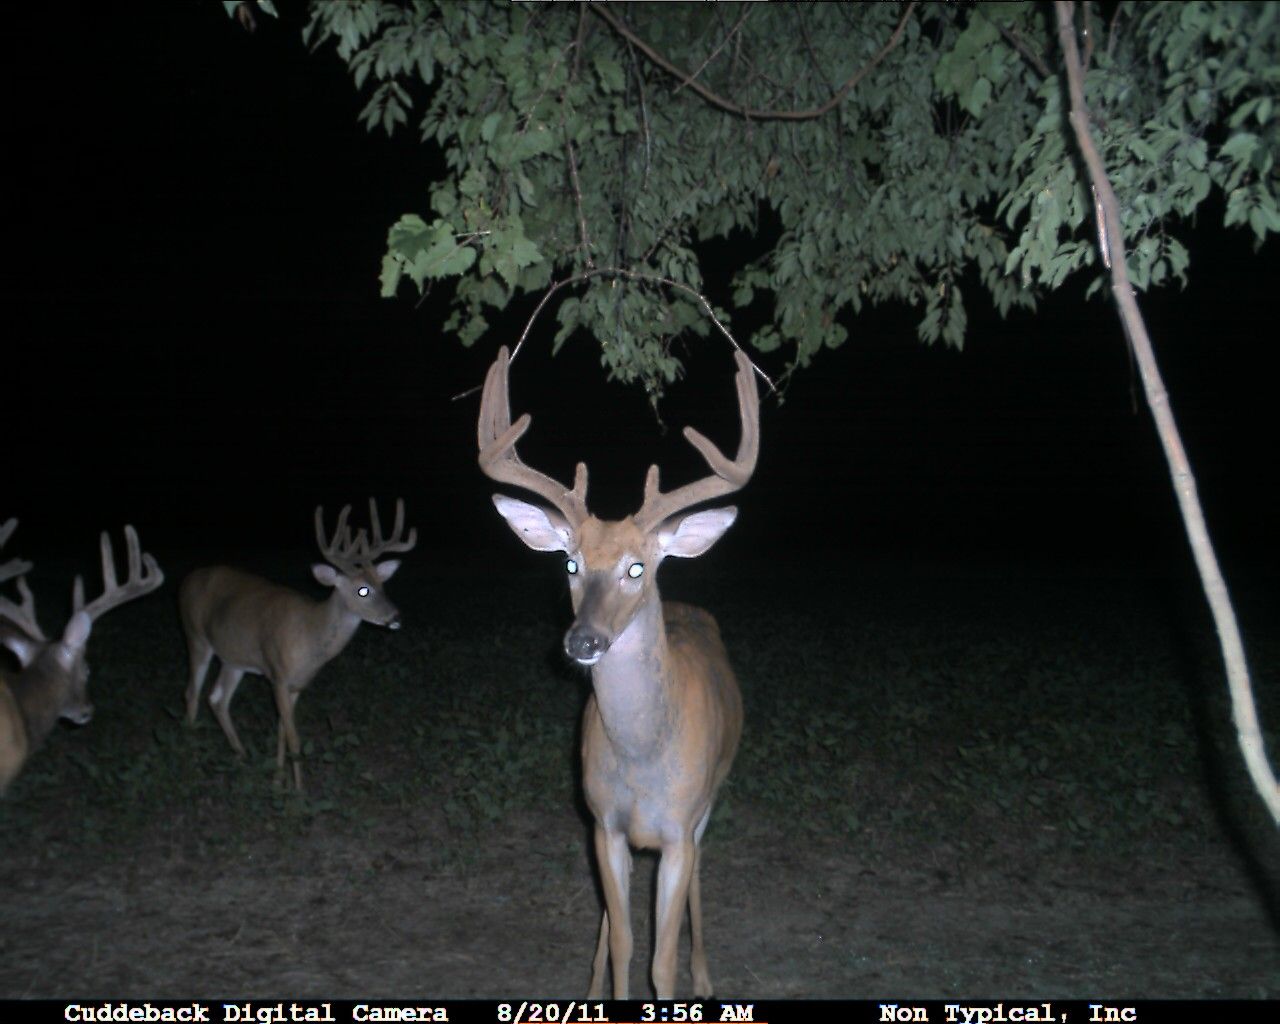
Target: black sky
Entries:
(195, 344)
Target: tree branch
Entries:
(1242, 706)
(729, 106)
(1029, 55)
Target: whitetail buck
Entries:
(662, 724)
(54, 679)
(254, 625)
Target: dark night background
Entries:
(195, 344)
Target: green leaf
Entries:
(1240, 147)
(609, 74)
(389, 277)
(978, 96)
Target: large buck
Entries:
(254, 625)
(54, 679)
(662, 724)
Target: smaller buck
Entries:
(54, 678)
(254, 625)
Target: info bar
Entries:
(565, 1011)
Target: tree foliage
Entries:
(831, 155)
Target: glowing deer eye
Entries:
(571, 567)
(636, 570)
(362, 591)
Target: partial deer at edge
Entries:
(54, 679)
(254, 625)
(662, 725)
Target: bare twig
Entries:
(1242, 705)
(244, 15)
(548, 77)
(729, 106)
(746, 10)
(582, 34)
(644, 116)
(801, 19)
(631, 275)
(584, 240)
(1113, 29)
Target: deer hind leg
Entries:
(287, 733)
(224, 688)
(698, 953)
(674, 871)
(199, 654)
(614, 857)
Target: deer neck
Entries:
(634, 685)
(333, 626)
(38, 693)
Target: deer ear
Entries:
(690, 536)
(540, 528)
(385, 570)
(325, 574)
(22, 647)
(73, 641)
(77, 632)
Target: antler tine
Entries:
(729, 474)
(22, 615)
(15, 566)
(394, 542)
(497, 437)
(375, 524)
(344, 552)
(144, 577)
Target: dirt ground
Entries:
(383, 914)
(148, 866)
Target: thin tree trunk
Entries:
(1110, 236)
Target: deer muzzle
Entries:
(589, 637)
(585, 645)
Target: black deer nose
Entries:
(584, 645)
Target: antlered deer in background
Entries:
(662, 724)
(254, 625)
(54, 679)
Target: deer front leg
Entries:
(614, 857)
(697, 953)
(287, 733)
(601, 958)
(674, 871)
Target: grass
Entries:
(1083, 717)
